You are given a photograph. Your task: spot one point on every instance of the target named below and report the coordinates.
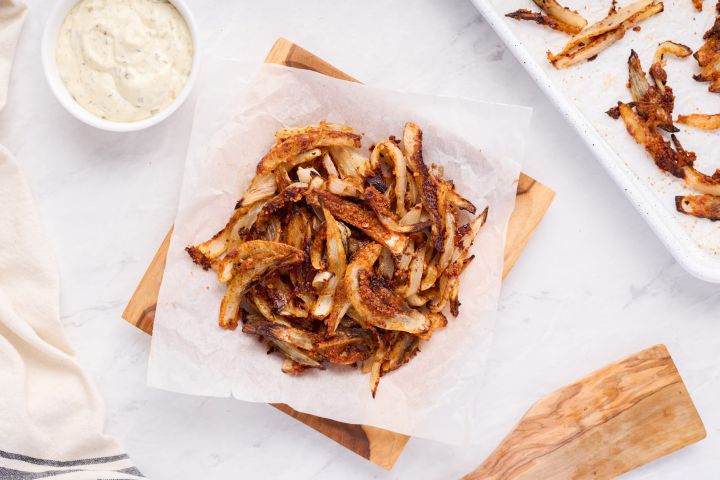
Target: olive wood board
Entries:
(610, 422)
(381, 447)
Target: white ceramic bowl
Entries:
(49, 40)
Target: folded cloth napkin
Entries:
(51, 416)
(12, 15)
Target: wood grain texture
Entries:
(381, 447)
(612, 421)
(532, 201)
(140, 311)
(286, 53)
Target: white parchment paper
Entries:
(241, 106)
(595, 86)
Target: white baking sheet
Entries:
(479, 144)
(584, 92)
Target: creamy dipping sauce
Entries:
(124, 60)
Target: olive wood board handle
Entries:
(610, 422)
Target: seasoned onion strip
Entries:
(598, 37)
(403, 349)
(306, 174)
(263, 307)
(666, 158)
(300, 159)
(360, 218)
(340, 306)
(427, 186)
(376, 368)
(702, 183)
(253, 250)
(540, 19)
(442, 294)
(261, 187)
(406, 257)
(412, 196)
(344, 188)
(287, 132)
(289, 148)
(569, 17)
(295, 354)
(293, 336)
(430, 275)
(329, 165)
(336, 259)
(612, 22)
(246, 273)
(291, 367)
(673, 48)
(397, 158)
(638, 81)
(417, 300)
(701, 206)
(416, 273)
(379, 306)
(449, 242)
(708, 57)
(348, 161)
(386, 266)
(205, 253)
(381, 208)
(413, 215)
(475, 226)
(701, 121)
(320, 280)
(317, 248)
(458, 201)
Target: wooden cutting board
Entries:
(381, 447)
(610, 422)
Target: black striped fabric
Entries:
(14, 466)
(58, 463)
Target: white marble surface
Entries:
(593, 285)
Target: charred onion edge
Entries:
(540, 19)
(701, 206)
(292, 146)
(427, 186)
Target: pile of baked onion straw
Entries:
(332, 257)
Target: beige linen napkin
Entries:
(51, 416)
(12, 15)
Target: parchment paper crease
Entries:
(239, 109)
